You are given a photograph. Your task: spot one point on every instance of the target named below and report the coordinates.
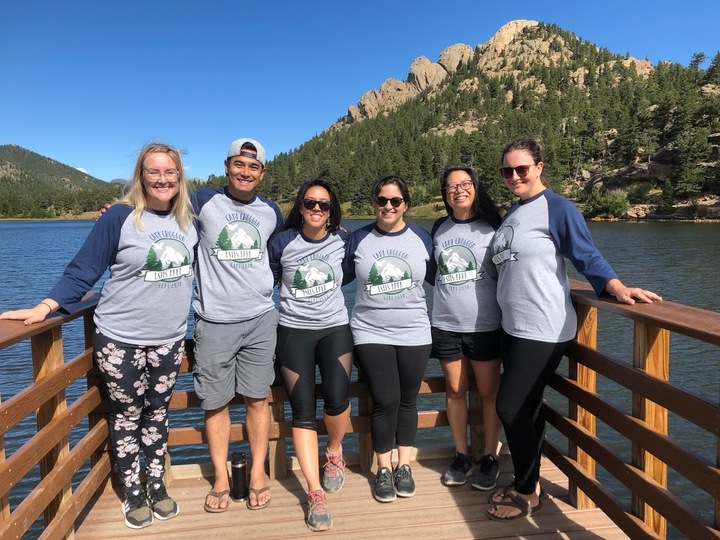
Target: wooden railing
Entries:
(644, 425)
(69, 476)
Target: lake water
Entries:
(677, 260)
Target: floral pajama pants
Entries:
(139, 381)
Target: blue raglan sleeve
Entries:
(571, 234)
(276, 245)
(348, 265)
(94, 257)
(431, 269)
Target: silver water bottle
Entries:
(238, 466)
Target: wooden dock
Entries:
(435, 511)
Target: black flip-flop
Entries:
(515, 501)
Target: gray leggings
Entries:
(139, 381)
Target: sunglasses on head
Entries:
(394, 201)
(521, 170)
(309, 204)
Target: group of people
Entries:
(501, 310)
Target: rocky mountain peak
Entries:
(500, 55)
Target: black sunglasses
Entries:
(521, 170)
(309, 204)
(395, 201)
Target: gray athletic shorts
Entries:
(234, 358)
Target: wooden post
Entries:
(651, 353)
(586, 378)
(47, 355)
(4, 500)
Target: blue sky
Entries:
(88, 82)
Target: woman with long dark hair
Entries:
(466, 319)
(306, 259)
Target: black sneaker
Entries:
(384, 486)
(404, 483)
(486, 473)
(162, 505)
(459, 470)
(135, 508)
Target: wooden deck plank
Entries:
(435, 511)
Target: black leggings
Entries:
(296, 353)
(527, 368)
(393, 375)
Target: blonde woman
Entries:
(147, 243)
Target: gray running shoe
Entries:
(459, 470)
(333, 472)
(404, 483)
(162, 504)
(318, 516)
(135, 508)
(384, 486)
(486, 473)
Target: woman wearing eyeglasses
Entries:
(538, 233)
(466, 318)
(306, 259)
(147, 243)
(390, 259)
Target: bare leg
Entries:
(487, 377)
(404, 455)
(385, 460)
(217, 431)
(258, 428)
(456, 386)
(336, 427)
(305, 442)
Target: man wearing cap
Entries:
(235, 316)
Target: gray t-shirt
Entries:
(464, 297)
(390, 305)
(234, 282)
(310, 275)
(146, 298)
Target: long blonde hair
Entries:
(180, 205)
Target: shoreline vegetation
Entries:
(434, 210)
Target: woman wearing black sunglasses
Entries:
(306, 259)
(390, 327)
(538, 233)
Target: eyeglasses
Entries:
(170, 174)
(394, 201)
(465, 185)
(310, 204)
(521, 170)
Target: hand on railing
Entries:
(628, 295)
(32, 315)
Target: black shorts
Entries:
(481, 346)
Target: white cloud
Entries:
(81, 170)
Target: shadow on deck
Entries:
(435, 511)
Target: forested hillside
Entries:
(603, 123)
(34, 186)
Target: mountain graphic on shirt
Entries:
(457, 265)
(389, 275)
(313, 279)
(239, 241)
(167, 260)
